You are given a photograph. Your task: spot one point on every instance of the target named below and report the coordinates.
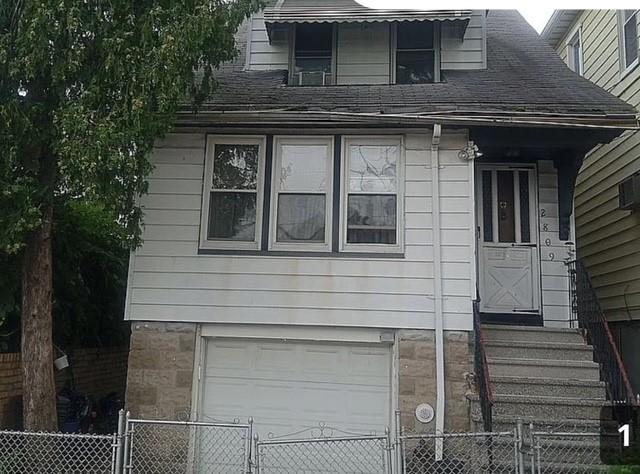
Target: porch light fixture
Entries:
(470, 152)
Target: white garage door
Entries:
(291, 386)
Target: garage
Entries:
(290, 386)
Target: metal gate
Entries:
(168, 447)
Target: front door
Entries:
(509, 275)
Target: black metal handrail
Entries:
(587, 314)
(483, 384)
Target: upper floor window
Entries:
(574, 53)
(313, 55)
(415, 53)
(233, 192)
(629, 38)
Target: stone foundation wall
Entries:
(161, 364)
(417, 377)
(160, 373)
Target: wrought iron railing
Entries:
(587, 315)
(481, 369)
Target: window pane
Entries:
(506, 211)
(372, 168)
(525, 222)
(415, 35)
(314, 40)
(414, 67)
(487, 207)
(313, 65)
(235, 166)
(575, 51)
(301, 217)
(631, 41)
(303, 168)
(232, 216)
(371, 219)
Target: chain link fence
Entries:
(571, 453)
(355, 454)
(56, 453)
(174, 447)
(456, 453)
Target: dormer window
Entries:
(415, 53)
(313, 55)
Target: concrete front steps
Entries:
(542, 375)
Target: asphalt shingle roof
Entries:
(523, 75)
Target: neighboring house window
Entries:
(313, 56)
(415, 53)
(233, 186)
(574, 52)
(629, 38)
(372, 205)
(302, 185)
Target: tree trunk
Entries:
(38, 384)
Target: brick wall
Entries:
(96, 372)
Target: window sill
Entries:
(292, 253)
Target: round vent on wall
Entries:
(424, 413)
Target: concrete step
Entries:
(545, 368)
(539, 350)
(531, 334)
(545, 407)
(539, 386)
(509, 422)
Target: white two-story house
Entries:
(316, 235)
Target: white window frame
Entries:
(436, 52)
(624, 67)
(222, 244)
(333, 77)
(311, 140)
(347, 141)
(576, 39)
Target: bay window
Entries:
(301, 198)
(233, 192)
(319, 195)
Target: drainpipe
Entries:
(437, 277)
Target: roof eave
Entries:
(267, 118)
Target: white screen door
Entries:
(509, 275)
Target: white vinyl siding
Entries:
(554, 253)
(265, 55)
(470, 53)
(609, 239)
(172, 282)
(363, 53)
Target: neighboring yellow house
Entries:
(602, 46)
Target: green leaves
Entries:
(92, 85)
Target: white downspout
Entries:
(437, 277)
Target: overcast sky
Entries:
(536, 16)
